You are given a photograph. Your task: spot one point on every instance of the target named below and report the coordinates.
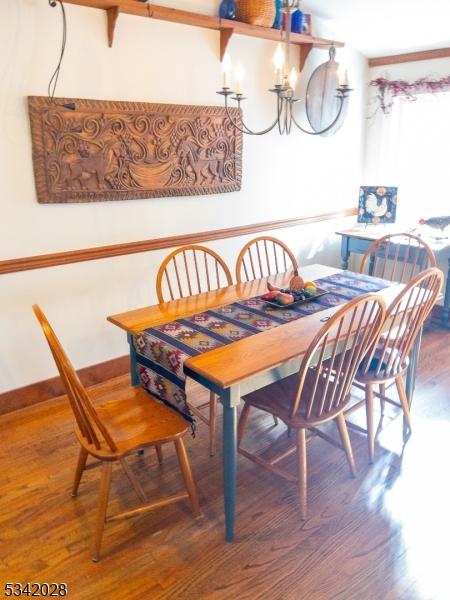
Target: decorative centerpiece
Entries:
(298, 292)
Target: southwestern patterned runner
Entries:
(161, 351)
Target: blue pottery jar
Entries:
(278, 21)
(296, 21)
(227, 9)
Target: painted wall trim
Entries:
(409, 57)
(43, 261)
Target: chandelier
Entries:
(284, 88)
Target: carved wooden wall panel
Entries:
(106, 150)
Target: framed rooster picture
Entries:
(377, 204)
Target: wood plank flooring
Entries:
(383, 535)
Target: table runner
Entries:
(161, 351)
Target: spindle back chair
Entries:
(389, 360)
(321, 389)
(191, 270)
(127, 420)
(397, 257)
(264, 256)
(187, 271)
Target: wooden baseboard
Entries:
(52, 388)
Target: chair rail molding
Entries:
(42, 261)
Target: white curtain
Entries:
(409, 148)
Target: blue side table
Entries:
(358, 241)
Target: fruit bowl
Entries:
(292, 296)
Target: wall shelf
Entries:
(227, 28)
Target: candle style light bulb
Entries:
(342, 75)
(293, 78)
(239, 74)
(226, 69)
(278, 61)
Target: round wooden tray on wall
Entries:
(321, 101)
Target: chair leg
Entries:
(82, 458)
(369, 417)
(105, 483)
(212, 423)
(187, 475)
(382, 401)
(134, 482)
(343, 432)
(159, 453)
(301, 462)
(243, 421)
(403, 400)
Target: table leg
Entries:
(345, 252)
(230, 399)
(446, 307)
(133, 370)
(411, 374)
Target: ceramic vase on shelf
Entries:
(296, 21)
(278, 21)
(227, 9)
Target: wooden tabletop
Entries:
(136, 320)
(228, 365)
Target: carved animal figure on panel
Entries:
(203, 167)
(88, 165)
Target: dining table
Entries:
(238, 368)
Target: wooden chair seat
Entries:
(277, 399)
(392, 365)
(136, 420)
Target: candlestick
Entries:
(226, 68)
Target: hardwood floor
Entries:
(383, 535)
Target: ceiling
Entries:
(385, 27)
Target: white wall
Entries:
(156, 62)
(379, 144)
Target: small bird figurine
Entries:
(436, 222)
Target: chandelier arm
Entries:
(244, 128)
(289, 120)
(330, 126)
(281, 116)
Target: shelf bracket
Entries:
(112, 14)
(225, 37)
(305, 49)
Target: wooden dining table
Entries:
(245, 365)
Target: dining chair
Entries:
(389, 360)
(264, 256)
(191, 270)
(127, 420)
(187, 271)
(397, 257)
(320, 391)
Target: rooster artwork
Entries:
(377, 204)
